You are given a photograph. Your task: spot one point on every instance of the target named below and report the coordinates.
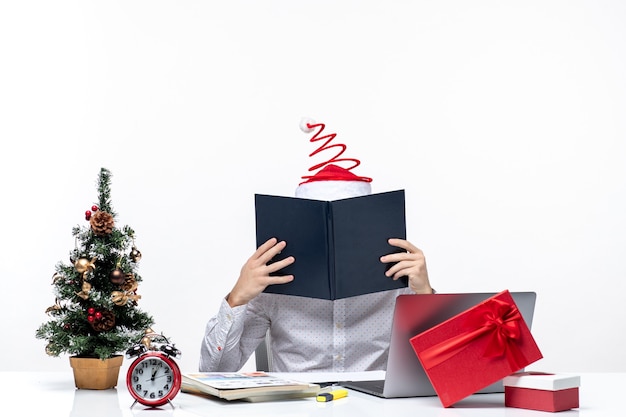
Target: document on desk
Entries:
(249, 386)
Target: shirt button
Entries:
(339, 325)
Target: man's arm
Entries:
(219, 351)
(222, 347)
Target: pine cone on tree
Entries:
(105, 322)
(102, 223)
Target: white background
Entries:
(503, 121)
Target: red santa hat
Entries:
(331, 182)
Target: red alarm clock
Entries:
(153, 378)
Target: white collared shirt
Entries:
(347, 335)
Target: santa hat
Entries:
(331, 182)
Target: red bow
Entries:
(495, 319)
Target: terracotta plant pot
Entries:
(94, 373)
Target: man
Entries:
(345, 335)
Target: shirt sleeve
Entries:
(232, 336)
(219, 351)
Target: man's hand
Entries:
(255, 273)
(411, 264)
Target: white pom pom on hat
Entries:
(304, 124)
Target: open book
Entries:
(248, 386)
(337, 244)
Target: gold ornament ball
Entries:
(135, 255)
(84, 265)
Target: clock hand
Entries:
(154, 372)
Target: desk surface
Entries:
(53, 394)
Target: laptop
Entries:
(413, 314)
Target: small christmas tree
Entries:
(95, 313)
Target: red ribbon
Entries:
(495, 319)
(327, 145)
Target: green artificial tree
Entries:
(95, 313)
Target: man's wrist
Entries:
(235, 301)
(427, 290)
(232, 302)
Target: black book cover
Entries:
(337, 244)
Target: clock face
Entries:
(153, 379)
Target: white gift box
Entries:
(542, 391)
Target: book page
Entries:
(239, 380)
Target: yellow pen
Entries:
(333, 395)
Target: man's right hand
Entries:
(255, 273)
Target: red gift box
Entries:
(541, 391)
(476, 348)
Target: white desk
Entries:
(52, 394)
